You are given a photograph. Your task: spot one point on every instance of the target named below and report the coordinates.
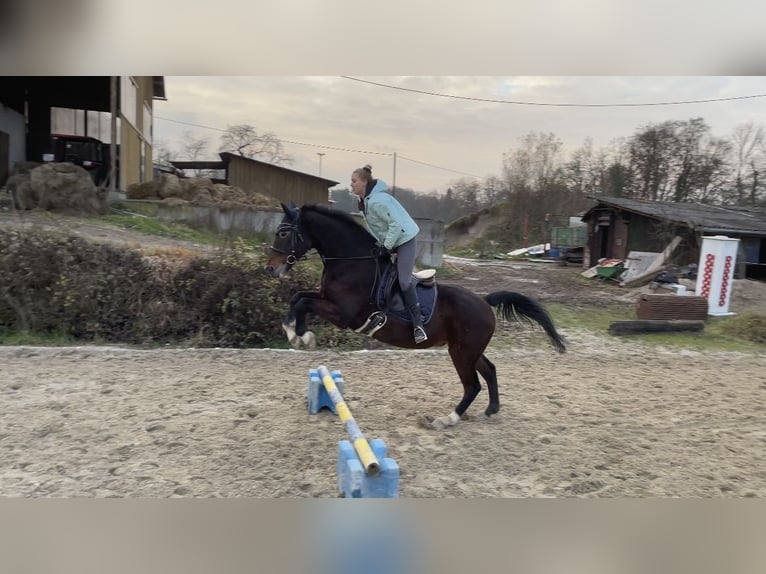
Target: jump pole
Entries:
(361, 446)
(364, 469)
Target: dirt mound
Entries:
(198, 191)
(60, 187)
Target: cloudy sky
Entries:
(440, 139)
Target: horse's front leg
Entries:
(301, 305)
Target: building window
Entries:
(91, 123)
(67, 121)
(128, 101)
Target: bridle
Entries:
(295, 238)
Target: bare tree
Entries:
(194, 148)
(748, 140)
(161, 152)
(535, 164)
(244, 140)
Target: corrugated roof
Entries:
(706, 218)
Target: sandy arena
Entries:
(600, 421)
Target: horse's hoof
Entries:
(440, 423)
(309, 340)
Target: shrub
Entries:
(92, 291)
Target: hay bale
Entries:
(60, 187)
(22, 194)
(168, 185)
(146, 190)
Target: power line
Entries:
(280, 139)
(440, 167)
(335, 148)
(561, 105)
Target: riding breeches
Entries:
(405, 262)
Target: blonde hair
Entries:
(364, 173)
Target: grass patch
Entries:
(14, 338)
(152, 226)
(745, 333)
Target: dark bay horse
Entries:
(462, 320)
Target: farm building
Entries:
(114, 112)
(616, 226)
(275, 181)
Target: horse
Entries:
(353, 267)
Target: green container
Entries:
(567, 236)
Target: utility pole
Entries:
(320, 154)
(113, 136)
(393, 183)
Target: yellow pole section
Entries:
(361, 446)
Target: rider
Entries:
(395, 230)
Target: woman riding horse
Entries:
(352, 265)
(396, 231)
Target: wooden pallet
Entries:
(671, 307)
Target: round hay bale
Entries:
(168, 185)
(67, 188)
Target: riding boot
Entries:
(413, 307)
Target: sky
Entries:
(438, 140)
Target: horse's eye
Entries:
(282, 234)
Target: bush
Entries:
(91, 291)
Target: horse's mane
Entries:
(342, 223)
(331, 212)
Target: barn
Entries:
(281, 183)
(115, 111)
(616, 226)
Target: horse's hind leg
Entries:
(466, 370)
(487, 370)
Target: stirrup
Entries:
(420, 335)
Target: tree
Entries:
(651, 150)
(244, 140)
(748, 140)
(194, 148)
(536, 164)
(161, 152)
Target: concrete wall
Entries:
(247, 222)
(240, 221)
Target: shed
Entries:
(617, 226)
(275, 181)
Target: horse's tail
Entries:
(518, 307)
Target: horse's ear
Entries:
(291, 211)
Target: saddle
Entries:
(387, 295)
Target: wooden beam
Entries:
(654, 326)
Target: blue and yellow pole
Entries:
(361, 446)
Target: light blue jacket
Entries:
(386, 219)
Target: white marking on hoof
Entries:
(292, 336)
(309, 340)
(445, 422)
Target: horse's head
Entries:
(289, 245)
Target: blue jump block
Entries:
(353, 481)
(318, 397)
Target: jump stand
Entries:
(364, 470)
(318, 396)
